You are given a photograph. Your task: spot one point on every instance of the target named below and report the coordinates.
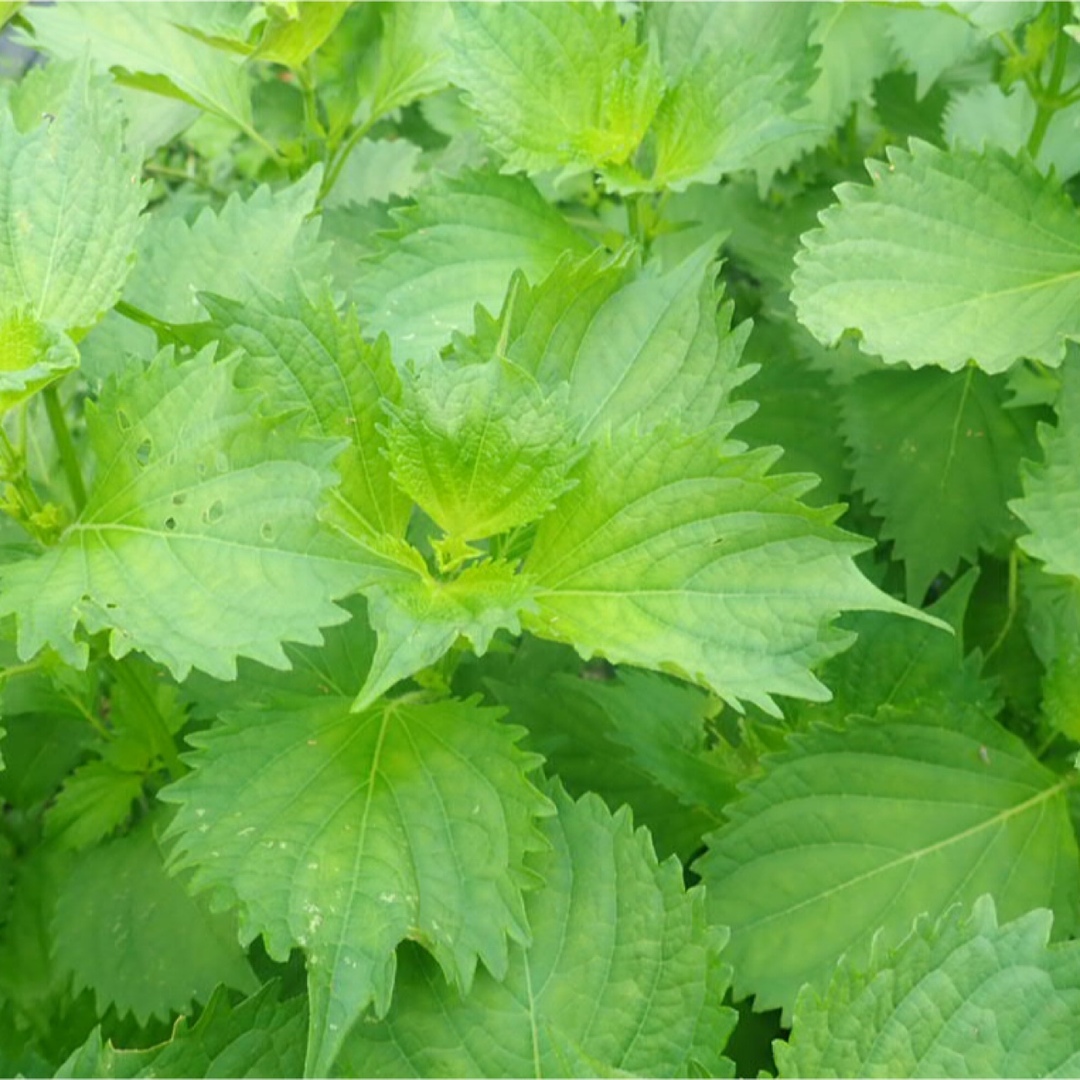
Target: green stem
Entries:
(1013, 602)
(1049, 98)
(342, 153)
(69, 460)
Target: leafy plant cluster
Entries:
(519, 558)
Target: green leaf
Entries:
(938, 456)
(679, 552)
(620, 977)
(148, 49)
(931, 40)
(736, 74)
(556, 84)
(32, 355)
(413, 56)
(479, 446)
(65, 247)
(419, 618)
(95, 799)
(116, 923)
(901, 662)
(938, 263)
(308, 356)
(964, 997)
(40, 749)
(290, 37)
(634, 345)
(457, 247)
(346, 834)
(1050, 507)
(948, 807)
(260, 242)
(261, 1036)
(638, 738)
(198, 500)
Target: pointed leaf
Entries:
(308, 356)
(457, 247)
(65, 246)
(479, 446)
(618, 979)
(938, 263)
(964, 997)
(199, 542)
(261, 1036)
(556, 84)
(633, 345)
(262, 241)
(418, 619)
(680, 553)
(346, 834)
(95, 799)
(948, 807)
(413, 56)
(116, 931)
(290, 37)
(1051, 504)
(150, 50)
(938, 456)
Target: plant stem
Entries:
(342, 155)
(1013, 603)
(154, 722)
(1049, 98)
(69, 460)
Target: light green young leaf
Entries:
(66, 247)
(479, 446)
(32, 355)
(938, 456)
(938, 262)
(413, 58)
(635, 346)
(199, 542)
(419, 618)
(148, 49)
(115, 927)
(262, 241)
(456, 248)
(949, 807)
(964, 997)
(556, 84)
(260, 1037)
(931, 40)
(736, 73)
(621, 976)
(1050, 507)
(290, 37)
(345, 834)
(678, 552)
(308, 356)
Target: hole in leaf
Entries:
(200, 468)
(179, 499)
(143, 451)
(213, 512)
(267, 531)
(123, 421)
(170, 523)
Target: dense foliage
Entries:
(519, 557)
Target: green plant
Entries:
(454, 455)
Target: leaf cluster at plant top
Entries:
(519, 557)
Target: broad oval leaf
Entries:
(621, 976)
(939, 263)
(200, 540)
(682, 553)
(346, 834)
(854, 833)
(962, 997)
(115, 929)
